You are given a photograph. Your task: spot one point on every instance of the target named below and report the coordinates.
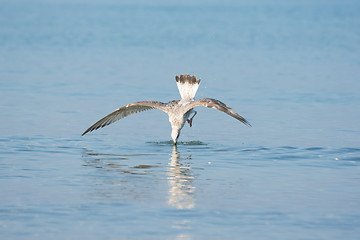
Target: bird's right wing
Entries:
(124, 112)
(216, 104)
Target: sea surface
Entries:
(291, 68)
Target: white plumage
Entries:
(178, 110)
(187, 90)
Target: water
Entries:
(291, 69)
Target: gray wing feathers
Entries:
(124, 112)
(216, 104)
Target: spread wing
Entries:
(124, 112)
(216, 104)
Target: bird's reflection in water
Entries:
(120, 178)
(181, 192)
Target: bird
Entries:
(179, 111)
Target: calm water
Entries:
(291, 69)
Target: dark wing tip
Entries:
(124, 112)
(246, 123)
(216, 104)
(90, 129)
(240, 118)
(85, 132)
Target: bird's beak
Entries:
(175, 135)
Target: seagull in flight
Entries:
(179, 111)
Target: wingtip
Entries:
(246, 123)
(87, 131)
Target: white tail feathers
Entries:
(187, 85)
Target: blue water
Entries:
(292, 69)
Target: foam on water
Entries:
(179, 143)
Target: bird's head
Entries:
(175, 133)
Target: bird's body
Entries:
(179, 111)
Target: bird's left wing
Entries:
(216, 104)
(124, 112)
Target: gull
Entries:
(179, 111)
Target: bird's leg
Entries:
(190, 120)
